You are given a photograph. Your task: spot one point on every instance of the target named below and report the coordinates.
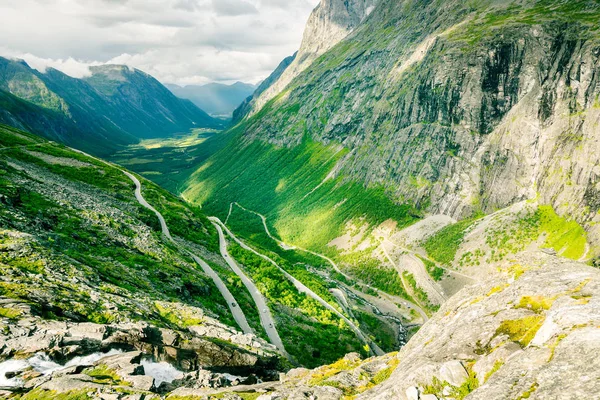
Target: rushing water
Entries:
(161, 372)
(44, 365)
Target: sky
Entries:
(177, 41)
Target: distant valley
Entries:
(218, 100)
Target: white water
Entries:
(11, 366)
(161, 372)
(41, 363)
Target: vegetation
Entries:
(84, 238)
(521, 331)
(537, 304)
(420, 293)
(41, 394)
(300, 205)
(310, 332)
(434, 271)
(443, 246)
(497, 365)
(438, 387)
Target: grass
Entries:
(76, 240)
(288, 186)
(443, 246)
(433, 270)
(311, 333)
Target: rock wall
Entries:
(458, 108)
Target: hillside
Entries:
(216, 99)
(82, 251)
(489, 106)
(114, 107)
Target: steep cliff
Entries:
(454, 108)
(330, 22)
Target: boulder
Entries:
(412, 393)
(453, 372)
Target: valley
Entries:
(407, 208)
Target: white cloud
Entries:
(177, 41)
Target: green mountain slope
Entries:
(78, 247)
(113, 107)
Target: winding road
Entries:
(237, 312)
(304, 289)
(285, 246)
(266, 319)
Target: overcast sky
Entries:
(176, 41)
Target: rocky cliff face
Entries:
(330, 22)
(529, 332)
(458, 108)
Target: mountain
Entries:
(412, 215)
(217, 99)
(460, 109)
(329, 23)
(246, 107)
(114, 107)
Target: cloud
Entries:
(177, 41)
(233, 7)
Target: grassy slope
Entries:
(101, 249)
(288, 186)
(81, 237)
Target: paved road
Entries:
(237, 312)
(266, 319)
(417, 307)
(304, 289)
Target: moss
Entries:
(527, 394)
(536, 304)
(104, 375)
(497, 365)
(320, 376)
(438, 387)
(385, 373)
(496, 289)
(521, 331)
(10, 313)
(40, 394)
(554, 345)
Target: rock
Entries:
(412, 393)
(141, 382)
(428, 397)
(353, 357)
(453, 372)
(68, 383)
